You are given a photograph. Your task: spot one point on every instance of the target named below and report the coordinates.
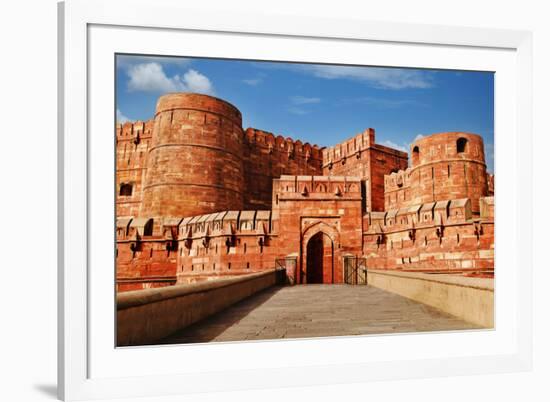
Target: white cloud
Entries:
(393, 145)
(304, 100)
(253, 81)
(387, 78)
(196, 82)
(297, 110)
(120, 118)
(150, 77)
(297, 103)
(378, 77)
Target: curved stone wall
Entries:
(448, 166)
(195, 161)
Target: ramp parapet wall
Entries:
(147, 316)
(471, 299)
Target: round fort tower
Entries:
(448, 166)
(194, 164)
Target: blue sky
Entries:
(316, 103)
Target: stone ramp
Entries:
(307, 311)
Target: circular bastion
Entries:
(194, 164)
(448, 166)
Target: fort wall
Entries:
(225, 244)
(146, 252)
(361, 157)
(267, 157)
(198, 198)
(397, 189)
(432, 237)
(132, 145)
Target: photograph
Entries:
(270, 200)
(275, 201)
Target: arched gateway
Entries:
(320, 254)
(320, 259)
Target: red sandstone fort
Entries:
(199, 198)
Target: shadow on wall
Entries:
(221, 321)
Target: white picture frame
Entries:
(82, 34)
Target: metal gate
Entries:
(355, 270)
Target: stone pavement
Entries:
(307, 311)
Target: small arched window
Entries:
(126, 189)
(415, 155)
(461, 144)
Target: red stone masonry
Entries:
(361, 157)
(267, 157)
(306, 206)
(444, 166)
(195, 161)
(442, 237)
(199, 198)
(132, 145)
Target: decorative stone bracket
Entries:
(189, 239)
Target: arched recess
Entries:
(319, 259)
(320, 237)
(125, 189)
(461, 145)
(415, 156)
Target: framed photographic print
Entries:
(259, 201)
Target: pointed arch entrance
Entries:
(320, 259)
(320, 253)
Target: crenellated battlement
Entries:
(316, 187)
(440, 213)
(278, 143)
(397, 189)
(437, 237)
(354, 146)
(224, 223)
(360, 156)
(397, 180)
(348, 148)
(129, 131)
(267, 157)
